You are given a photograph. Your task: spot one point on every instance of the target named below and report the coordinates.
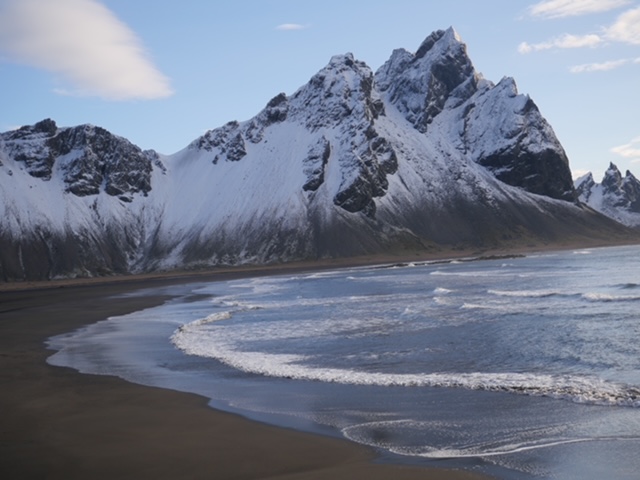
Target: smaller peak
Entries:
(339, 64)
(508, 83)
(346, 61)
(585, 181)
(448, 38)
(47, 126)
(345, 58)
(400, 53)
(612, 177)
(612, 170)
(428, 43)
(452, 35)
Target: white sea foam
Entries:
(496, 307)
(201, 339)
(194, 326)
(441, 291)
(477, 274)
(608, 297)
(524, 293)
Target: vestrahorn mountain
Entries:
(424, 154)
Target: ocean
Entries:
(518, 367)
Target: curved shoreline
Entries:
(58, 423)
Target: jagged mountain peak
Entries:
(420, 84)
(616, 196)
(612, 178)
(46, 128)
(87, 158)
(445, 42)
(423, 153)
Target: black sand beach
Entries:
(59, 424)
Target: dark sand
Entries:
(59, 424)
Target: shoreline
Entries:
(59, 423)
(228, 272)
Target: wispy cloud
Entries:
(629, 150)
(603, 66)
(291, 26)
(83, 42)
(626, 28)
(571, 8)
(565, 41)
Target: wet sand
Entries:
(59, 424)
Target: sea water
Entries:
(524, 367)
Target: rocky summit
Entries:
(616, 196)
(424, 154)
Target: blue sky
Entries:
(162, 72)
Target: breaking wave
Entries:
(200, 339)
(608, 297)
(525, 293)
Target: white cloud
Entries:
(570, 8)
(629, 150)
(626, 29)
(601, 67)
(84, 43)
(565, 41)
(291, 26)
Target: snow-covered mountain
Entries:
(617, 197)
(423, 154)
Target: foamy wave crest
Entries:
(524, 293)
(195, 325)
(200, 339)
(607, 297)
(441, 291)
(476, 274)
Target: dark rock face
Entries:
(226, 143)
(315, 163)
(543, 173)
(523, 163)
(90, 157)
(374, 161)
(102, 159)
(29, 146)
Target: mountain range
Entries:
(423, 154)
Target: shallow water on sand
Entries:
(519, 367)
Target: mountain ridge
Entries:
(422, 154)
